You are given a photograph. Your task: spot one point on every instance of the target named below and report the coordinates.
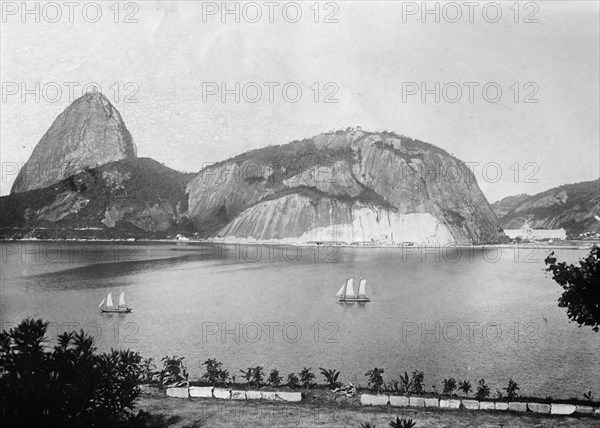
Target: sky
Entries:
(378, 65)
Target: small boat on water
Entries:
(106, 305)
(346, 293)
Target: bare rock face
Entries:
(345, 186)
(89, 133)
(223, 191)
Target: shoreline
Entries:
(576, 245)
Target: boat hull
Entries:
(116, 311)
(355, 300)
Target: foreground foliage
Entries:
(174, 372)
(398, 423)
(68, 386)
(402, 423)
(581, 286)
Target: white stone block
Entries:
(374, 400)
(432, 402)
(501, 405)
(399, 401)
(449, 404)
(539, 408)
(238, 395)
(294, 397)
(416, 401)
(486, 405)
(253, 395)
(470, 404)
(222, 393)
(517, 406)
(178, 392)
(562, 409)
(584, 410)
(268, 395)
(201, 391)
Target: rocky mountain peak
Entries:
(87, 134)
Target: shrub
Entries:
(417, 382)
(405, 383)
(331, 377)
(248, 375)
(449, 386)
(465, 387)
(499, 394)
(306, 377)
(70, 386)
(511, 390)
(274, 378)
(375, 378)
(215, 375)
(148, 370)
(174, 372)
(392, 386)
(293, 381)
(483, 391)
(402, 423)
(257, 376)
(588, 396)
(367, 425)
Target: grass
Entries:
(326, 411)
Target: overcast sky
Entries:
(374, 58)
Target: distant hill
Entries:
(571, 206)
(507, 204)
(349, 185)
(128, 198)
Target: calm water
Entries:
(490, 314)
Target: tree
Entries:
(274, 378)
(582, 287)
(465, 386)
(215, 375)
(375, 377)
(307, 377)
(449, 386)
(331, 376)
(68, 386)
(174, 372)
(483, 391)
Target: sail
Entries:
(102, 302)
(109, 302)
(341, 292)
(122, 299)
(350, 288)
(362, 288)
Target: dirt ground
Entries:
(179, 413)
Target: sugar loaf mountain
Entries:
(84, 180)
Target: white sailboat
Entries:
(110, 307)
(362, 291)
(347, 295)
